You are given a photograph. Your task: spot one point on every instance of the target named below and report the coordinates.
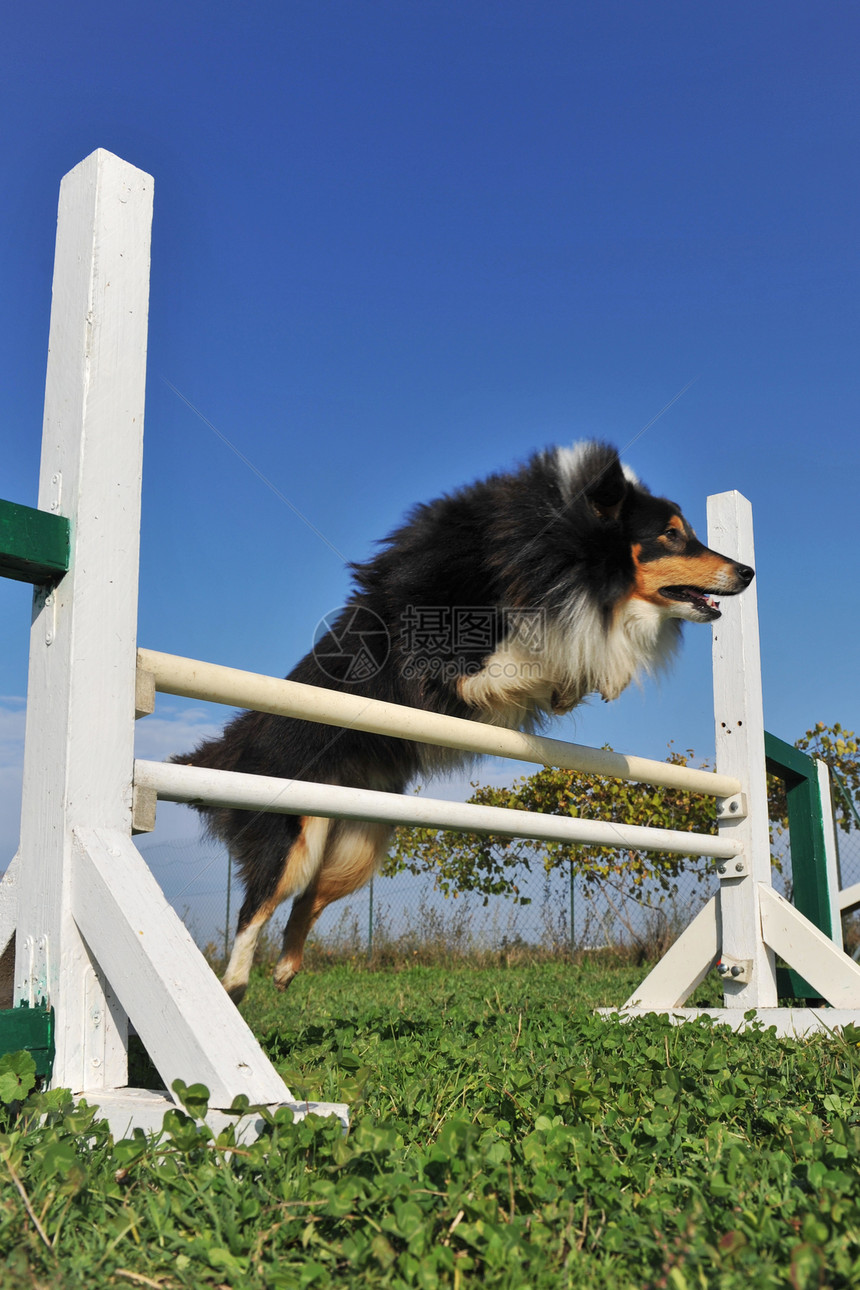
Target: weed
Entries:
(501, 1136)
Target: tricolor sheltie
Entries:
(507, 602)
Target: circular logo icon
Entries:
(352, 644)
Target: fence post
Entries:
(572, 912)
(370, 919)
(227, 910)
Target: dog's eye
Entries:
(673, 534)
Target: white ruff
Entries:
(518, 683)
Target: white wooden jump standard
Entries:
(95, 937)
(747, 923)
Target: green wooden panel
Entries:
(791, 985)
(787, 760)
(30, 1028)
(808, 856)
(34, 544)
(805, 829)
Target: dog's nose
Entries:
(745, 573)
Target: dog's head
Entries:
(672, 569)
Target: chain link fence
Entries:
(557, 912)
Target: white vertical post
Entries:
(78, 757)
(740, 752)
(831, 850)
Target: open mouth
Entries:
(695, 596)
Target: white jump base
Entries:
(789, 1023)
(95, 937)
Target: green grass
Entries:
(501, 1135)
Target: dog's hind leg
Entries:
(298, 871)
(354, 851)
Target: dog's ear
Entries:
(607, 489)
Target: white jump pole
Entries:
(194, 679)
(199, 785)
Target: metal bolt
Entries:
(739, 866)
(722, 869)
(736, 971)
(733, 806)
(722, 969)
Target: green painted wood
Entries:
(806, 834)
(787, 759)
(34, 544)
(31, 1029)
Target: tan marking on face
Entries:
(708, 571)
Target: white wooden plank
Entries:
(831, 851)
(137, 1108)
(303, 797)
(788, 1023)
(79, 735)
(739, 724)
(684, 965)
(182, 1013)
(834, 975)
(194, 679)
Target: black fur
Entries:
(555, 538)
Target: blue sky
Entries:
(400, 245)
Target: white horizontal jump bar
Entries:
(196, 680)
(198, 786)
